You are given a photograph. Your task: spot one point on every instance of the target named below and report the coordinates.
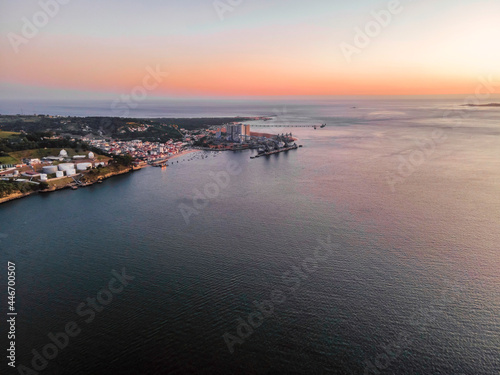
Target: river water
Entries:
(372, 249)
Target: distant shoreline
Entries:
(482, 105)
(98, 179)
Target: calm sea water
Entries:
(406, 193)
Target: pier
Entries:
(286, 126)
(275, 151)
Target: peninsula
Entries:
(41, 153)
(483, 105)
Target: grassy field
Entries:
(8, 160)
(17, 156)
(60, 182)
(7, 134)
(42, 152)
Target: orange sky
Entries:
(256, 50)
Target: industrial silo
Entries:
(49, 169)
(66, 166)
(83, 166)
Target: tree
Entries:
(125, 160)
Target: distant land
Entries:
(42, 153)
(482, 105)
(151, 129)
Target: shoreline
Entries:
(166, 160)
(182, 153)
(52, 189)
(13, 197)
(91, 180)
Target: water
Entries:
(413, 265)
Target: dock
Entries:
(276, 151)
(287, 126)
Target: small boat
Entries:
(322, 126)
(74, 187)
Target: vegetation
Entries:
(10, 187)
(159, 129)
(125, 160)
(61, 182)
(201, 142)
(8, 160)
(18, 156)
(100, 173)
(8, 134)
(38, 145)
(17, 146)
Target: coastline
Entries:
(88, 179)
(91, 178)
(15, 196)
(88, 182)
(182, 153)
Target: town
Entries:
(92, 157)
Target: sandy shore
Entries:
(182, 154)
(14, 196)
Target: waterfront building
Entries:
(246, 132)
(234, 132)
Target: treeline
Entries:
(37, 140)
(116, 127)
(200, 123)
(8, 187)
(125, 160)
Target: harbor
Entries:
(275, 151)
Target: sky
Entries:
(76, 49)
